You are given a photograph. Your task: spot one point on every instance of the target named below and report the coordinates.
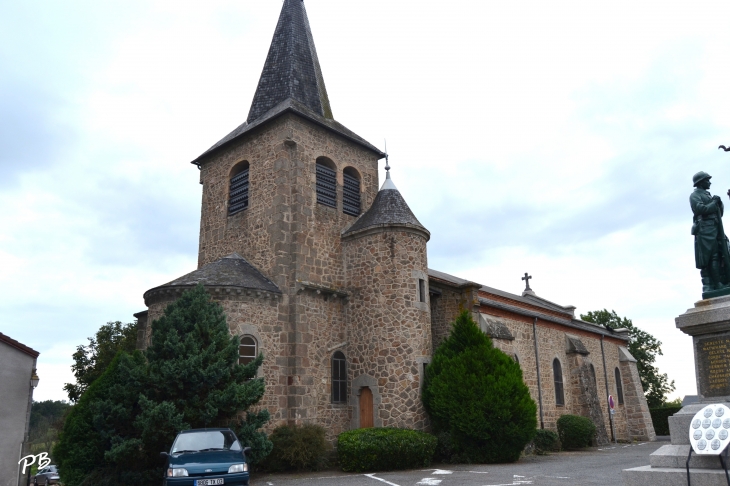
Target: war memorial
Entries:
(698, 451)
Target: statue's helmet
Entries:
(699, 177)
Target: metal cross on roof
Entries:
(527, 278)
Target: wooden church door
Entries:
(366, 408)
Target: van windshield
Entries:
(206, 440)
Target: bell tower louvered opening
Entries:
(351, 192)
(326, 182)
(238, 192)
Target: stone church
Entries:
(325, 272)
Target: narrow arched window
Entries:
(339, 378)
(558, 378)
(238, 192)
(619, 387)
(248, 349)
(351, 192)
(326, 182)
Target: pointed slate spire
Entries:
(292, 68)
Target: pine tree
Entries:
(475, 394)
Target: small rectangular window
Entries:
(421, 290)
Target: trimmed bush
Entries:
(575, 432)
(384, 449)
(546, 441)
(660, 418)
(298, 447)
(475, 393)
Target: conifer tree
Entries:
(474, 393)
(189, 377)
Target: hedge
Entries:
(546, 441)
(660, 418)
(384, 449)
(298, 447)
(575, 432)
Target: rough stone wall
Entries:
(445, 308)
(637, 411)
(283, 227)
(583, 388)
(321, 332)
(389, 331)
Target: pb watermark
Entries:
(30, 459)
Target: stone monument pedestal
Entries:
(709, 325)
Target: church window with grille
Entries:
(339, 378)
(248, 350)
(238, 192)
(351, 192)
(326, 182)
(558, 378)
(619, 387)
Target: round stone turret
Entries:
(389, 319)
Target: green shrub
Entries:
(476, 394)
(660, 418)
(298, 447)
(384, 449)
(546, 441)
(575, 432)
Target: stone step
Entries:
(676, 456)
(665, 476)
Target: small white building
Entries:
(17, 370)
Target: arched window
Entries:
(248, 350)
(351, 192)
(326, 182)
(339, 378)
(619, 388)
(238, 192)
(558, 378)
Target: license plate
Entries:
(208, 482)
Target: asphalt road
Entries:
(596, 466)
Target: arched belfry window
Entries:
(238, 192)
(248, 349)
(558, 378)
(326, 182)
(619, 387)
(339, 378)
(351, 192)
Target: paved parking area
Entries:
(596, 466)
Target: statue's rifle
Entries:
(726, 246)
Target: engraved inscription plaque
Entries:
(713, 362)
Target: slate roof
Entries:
(527, 299)
(230, 271)
(291, 81)
(292, 68)
(388, 209)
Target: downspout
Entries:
(537, 363)
(605, 379)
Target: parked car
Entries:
(46, 475)
(206, 457)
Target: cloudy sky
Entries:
(555, 138)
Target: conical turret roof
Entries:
(389, 209)
(291, 82)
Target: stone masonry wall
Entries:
(636, 409)
(389, 331)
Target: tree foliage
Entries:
(645, 348)
(46, 421)
(92, 360)
(475, 393)
(189, 377)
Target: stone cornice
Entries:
(320, 289)
(229, 292)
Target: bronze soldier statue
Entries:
(712, 255)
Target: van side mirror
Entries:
(163, 455)
(246, 451)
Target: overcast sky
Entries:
(556, 138)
